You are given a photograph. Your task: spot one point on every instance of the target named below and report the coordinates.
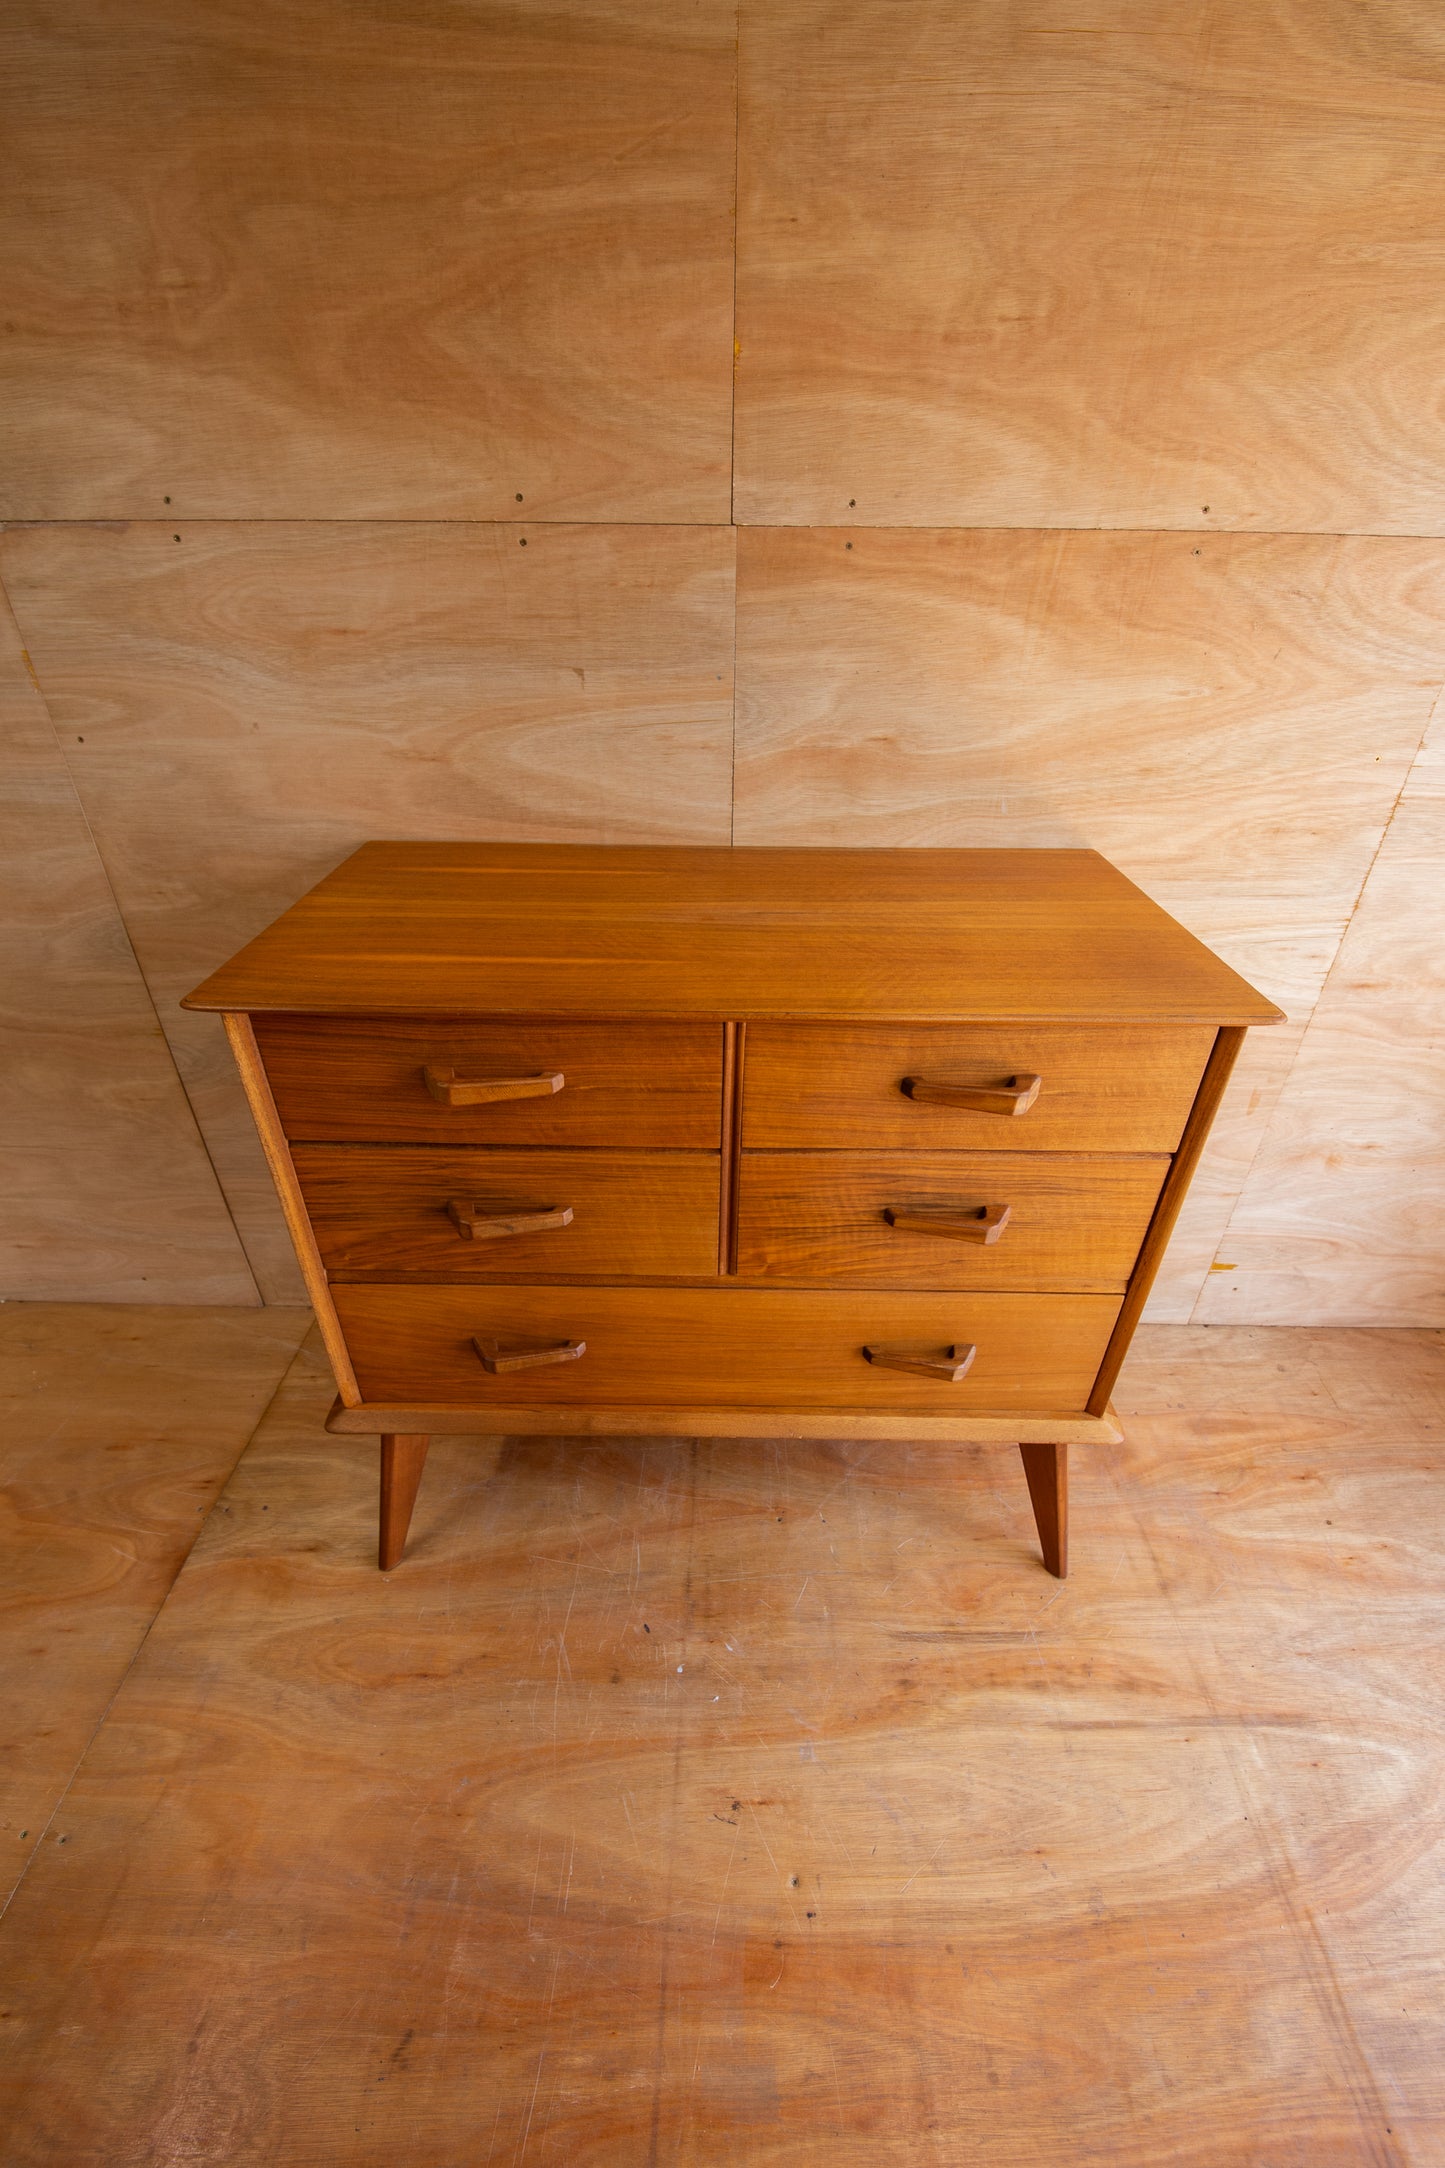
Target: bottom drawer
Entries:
(725, 1347)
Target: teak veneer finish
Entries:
(380, 1212)
(708, 1142)
(1074, 1221)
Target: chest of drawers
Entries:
(700, 1142)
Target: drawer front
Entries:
(726, 1347)
(393, 1212)
(840, 1086)
(1073, 1223)
(364, 1081)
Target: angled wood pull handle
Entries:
(958, 1222)
(482, 1091)
(1014, 1096)
(476, 1224)
(521, 1351)
(948, 1364)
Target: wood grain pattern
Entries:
(1074, 1222)
(1162, 1865)
(719, 1348)
(1120, 1089)
(654, 1420)
(253, 699)
(256, 1085)
(403, 1457)
(500, 930)
(1340, 1219)
(1046, 1468)
(1176, 267)
(1160, 698)
(1212, 1087)
(380, 1212)
(1176, 712)
(339, 1079)
(106, 1194)
(344, 263)
(119, 1425)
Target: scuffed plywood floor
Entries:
(749, 1803)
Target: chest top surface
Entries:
(504, 929)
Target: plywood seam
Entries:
(1305, 1036)
(739, 526)
(733, 357)
(130, 948)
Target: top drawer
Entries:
(1124, 1088)
(360, 1080)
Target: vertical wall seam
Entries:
(1263, 1139)
(733, 406)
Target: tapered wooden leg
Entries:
(1047, 1468)
(402, 1461)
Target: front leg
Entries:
(1047, 1469)
(402, 1461)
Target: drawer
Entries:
(391, 1212)
(840, 1086)
(344, 1078)
(1073, 1222)
(725, 1347)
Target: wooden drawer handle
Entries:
(948, 1364)
(521, 1352)
(1014, 1096)
(478, 1225)
(482, 1091)
(958, 1222)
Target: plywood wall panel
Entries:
(1340, 1219)
(368, 260)
(1172, 263)
(106, 1194)
(244, 706)
(1161, 698)
(1228, 718)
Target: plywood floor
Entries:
(735, 1802)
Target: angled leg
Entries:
(1047, 1468)
(402, 1461)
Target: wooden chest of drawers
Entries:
(706, 1142)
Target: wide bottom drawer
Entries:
(725, 1347)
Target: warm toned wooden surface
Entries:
(1343, 1212)
(381, 1213)
(651, 1419)
(1160, 267)
(1103, 269)
(1178, 712)
(241, 1038)
(507, 929)
(118, 1428)
(1138, 1869)
(1125, 1089)
(268, 263)
(403, 1458)
(105, 1189)
(1074, 1222)
(658, 1085)
(1046, 1470)
(1212, 1087)
(726, 1347)
(1161, 697)
(253, 700)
